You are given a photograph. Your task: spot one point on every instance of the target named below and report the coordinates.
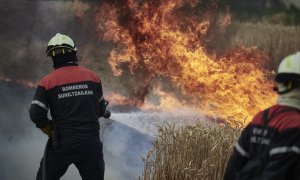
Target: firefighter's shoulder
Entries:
(91, 74)
(288, 119)
(280, 117)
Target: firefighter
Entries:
(269, 147)
(74, 96)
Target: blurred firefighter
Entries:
(269, 147)
(75, 98)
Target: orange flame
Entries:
(165, 38)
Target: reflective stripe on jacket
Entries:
(268, 152)
(72, 93)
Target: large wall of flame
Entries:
(168, 39)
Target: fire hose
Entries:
(54, 141)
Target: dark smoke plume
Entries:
(26, 27)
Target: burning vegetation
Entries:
(167, 39)
(160, 47)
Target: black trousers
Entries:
(87, 158)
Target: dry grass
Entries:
(275, 39)
(190, 152)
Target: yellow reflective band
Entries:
(289, 62)
(63, 50)
(63, 37)
(53, 53)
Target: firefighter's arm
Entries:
(239, 156)
(283, 155)
(102, 108)
(102, 104)
(39, 109)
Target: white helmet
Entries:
(60, 44)
(288, 75)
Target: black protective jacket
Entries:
(269, 147)
(74, 96)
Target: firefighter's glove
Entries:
(48, 128)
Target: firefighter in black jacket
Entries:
(269, 147)
(75, 99)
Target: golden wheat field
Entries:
(190, 152)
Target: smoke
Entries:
(22, 144)
(16, 37)
(124, 150)
(127, 137)
(294, 2)
(20, 152)
(26, 27)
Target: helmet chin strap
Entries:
(59, 65)
(282, 89)
(284, 92)
(292, 98)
